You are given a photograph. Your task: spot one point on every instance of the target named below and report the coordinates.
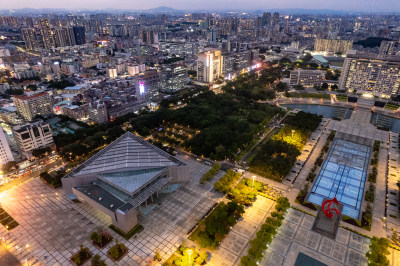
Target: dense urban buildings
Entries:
(333, 46)
(134, 137)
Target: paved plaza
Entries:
(295, 235)
(52, 227)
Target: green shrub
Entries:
(378, 251)
(210, 174)
(224, 183)
(117, 251)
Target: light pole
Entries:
(189, 252)
(293, 132)
(252, 185)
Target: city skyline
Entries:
(340, 5)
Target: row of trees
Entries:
(210, 173)
(225, 183)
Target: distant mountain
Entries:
(163, 9)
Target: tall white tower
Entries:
(5, 151)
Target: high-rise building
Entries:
(332, 46)
(387, 48)
(173, 78)
(98, 112)
(48, 34)
(266, 19)
(32, 136)
(307, 78)
(275, 18)
(5, 151)
(371, 73)
(31, 39)
(29, 106)
(79, 35)
(209, 66)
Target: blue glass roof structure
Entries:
(343, 176)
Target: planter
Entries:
(123, 255)
(84, 262)
(105, 234)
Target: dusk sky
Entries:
(353, 5)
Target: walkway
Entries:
(235, 245)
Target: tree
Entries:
(41, 152)
(97, 261)
(8, 166)
(325, 86)
(32, 87)
(378, 250)
(298, 87)
(281, 86)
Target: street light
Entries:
(293, 132)
(189, 252)
(252, 185)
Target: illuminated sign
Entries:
(141, 88)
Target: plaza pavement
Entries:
(51, 227)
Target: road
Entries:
(35, 173)
(275, 126)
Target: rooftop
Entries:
(124, 157)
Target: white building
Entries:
(32, 136)
(371, 73)
(307, 78)
(209, 66)
(5, 151)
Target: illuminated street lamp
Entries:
(293, 132)
(252, 185)
(189, 252)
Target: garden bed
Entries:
(81, 257)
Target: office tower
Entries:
(48, 34)
(209, 66)
(266, 19)
(5, 151)
(275, 18)
(371, 73)
(29, 23)
(173, 78)
(31, 39)
(79, 34)
(29, 106)
(213, 35)
(307, 78)
(32, 136)
(387, 48)
(148, 36)
(332, 46)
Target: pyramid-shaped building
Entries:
(123, 176)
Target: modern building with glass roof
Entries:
(123, 176)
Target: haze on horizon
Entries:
(345, 5)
